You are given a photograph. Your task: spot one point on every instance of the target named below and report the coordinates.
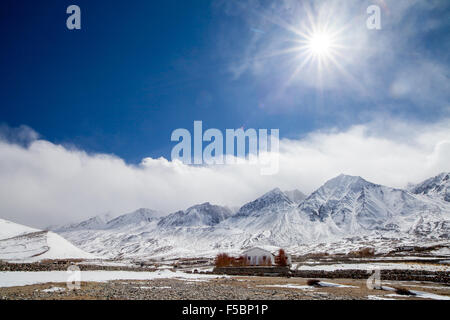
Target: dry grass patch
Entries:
(362, 253)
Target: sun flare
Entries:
(319, 47)
(320, 44)
(316, 47)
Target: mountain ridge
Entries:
(204, 214)
(437, 186)
(344, 206)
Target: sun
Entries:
(315, 47)
(319, 47)
(320, 44)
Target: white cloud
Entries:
(21, 135)
(43, 183)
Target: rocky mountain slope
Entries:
(354, 204)
(295, 196)
(436, 187)
(200, 215)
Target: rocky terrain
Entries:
(235, 288)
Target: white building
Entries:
(258, 257)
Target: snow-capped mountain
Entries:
(270, 220)
(138, 217)
(344, 207)
(353, 203)
(273, 201)
(24, 244)
(200, 215)
(94, 223)
(295, 195)
(437, 187)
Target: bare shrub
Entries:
(222, 260)
(362, 253)
(239, 262)
(281, 259)
(317, 255)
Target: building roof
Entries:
(256, 250)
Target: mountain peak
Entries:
(345, 178)
(345, 182)
(340, 191)
(106, 221)
(352, 202)
(94, 223)
(267, 202)
(436, 187)
(273, 192)
(204, 205)
(205, 214)
(136, 217)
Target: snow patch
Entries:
(336, 285)
(54, 289)
(289, 286)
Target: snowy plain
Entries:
(13, 279)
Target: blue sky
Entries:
(96, 107)
(134, 73)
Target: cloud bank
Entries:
(42, 183)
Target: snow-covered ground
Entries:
(13, 279)
(10, 229)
